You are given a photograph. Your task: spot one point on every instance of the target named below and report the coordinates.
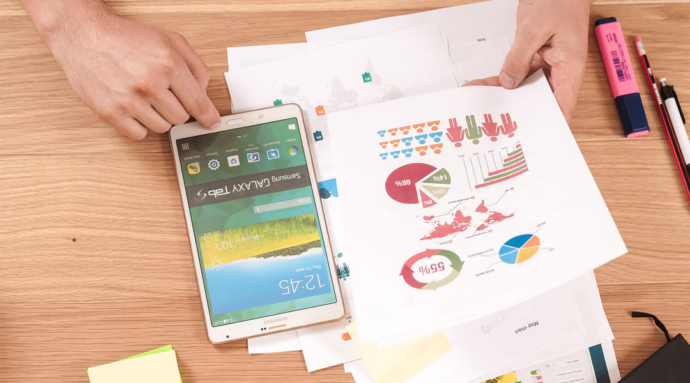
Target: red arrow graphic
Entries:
(409, 278)
(424, 254)
(407, 272)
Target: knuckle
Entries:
(169, 62)
(180, 119)
(176, 37)
(136, 134)
(205, 71)
(199, 106)
(126, 104)
(144, 83)
(107, 114)
(160, 128)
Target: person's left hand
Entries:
(551, 34)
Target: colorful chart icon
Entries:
(292, 150)
(519, 249)
(410, 274)
(418, 184)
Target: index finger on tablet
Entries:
(195, 100)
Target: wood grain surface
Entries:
(94, 260)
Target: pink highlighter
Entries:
(619, 70)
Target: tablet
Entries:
(257, 231)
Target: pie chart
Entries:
(519, 249)
(418, 184)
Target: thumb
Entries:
(518, 62)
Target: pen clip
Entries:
(675, 97)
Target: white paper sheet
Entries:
(280, 342)
(482, 219)
(244, 57)
(398, 64)
(570, 314)
(487, 20)
(332, 78)
(359, 371)
(483, 66)
(478, 59)
(465, 51)
(327, 345)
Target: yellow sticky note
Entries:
(507, 378)
(399, 362)
(159, 368)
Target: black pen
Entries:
(675, 114)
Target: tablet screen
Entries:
(255, 222)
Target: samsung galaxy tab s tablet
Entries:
(256, 226)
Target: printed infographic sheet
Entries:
(464, 202)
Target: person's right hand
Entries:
(133, 76)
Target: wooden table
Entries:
(95, 264)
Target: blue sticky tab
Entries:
(632, 114)
(601, 371)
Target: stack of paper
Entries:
(482, 215)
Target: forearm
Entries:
(55, 19)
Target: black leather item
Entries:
(670, 364)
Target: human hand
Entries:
(553, 35)
(133, 76)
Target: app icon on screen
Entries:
(194, 168)
(292, 127)
(233, 160)
(293, 150)
(253, 157)
(272, 154)
(214, 164)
